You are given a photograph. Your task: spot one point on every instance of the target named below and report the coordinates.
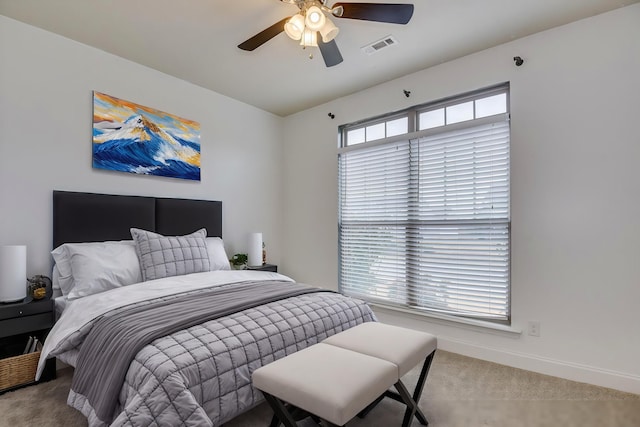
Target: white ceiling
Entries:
(196, 40)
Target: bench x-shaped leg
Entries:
(410, 400)
(281, 414)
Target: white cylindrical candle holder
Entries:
(254, 253)
(13, 273)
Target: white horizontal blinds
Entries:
(374, 181)
(425, 223)
(464, 174)
(461, 241)
(461, 269)
(374, 212)
(373, 262)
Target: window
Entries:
(424, 219)
(378, 130)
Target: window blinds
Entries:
(424, 222)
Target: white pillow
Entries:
(126, 273)
(55, 278)
(90, 268)
(218, 259)
(64, 277)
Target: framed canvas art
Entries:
(128, 137)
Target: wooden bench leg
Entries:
(417, 393)
(280, 412)
(412, 406)
(372, 405)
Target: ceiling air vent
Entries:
(376, 46)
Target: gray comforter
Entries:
(200, 373)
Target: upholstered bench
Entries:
(347, 374)
(405, 348)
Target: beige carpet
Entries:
(460, 392)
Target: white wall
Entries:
(46, 84)
(575, 153)
(575, 106)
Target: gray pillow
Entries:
(165, 256)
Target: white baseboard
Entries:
(557, 368)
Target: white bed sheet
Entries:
(60, 302)
(79, 312)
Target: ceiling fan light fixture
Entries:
(309, 38)
(329, 31)
(295, 27)
(315, 18)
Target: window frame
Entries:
(413, 114)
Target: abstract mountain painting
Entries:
(128, 137)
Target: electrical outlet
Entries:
(534, 328)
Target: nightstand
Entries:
(264, 267)
(18, 322)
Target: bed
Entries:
(157, 326)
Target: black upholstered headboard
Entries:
(89, 217)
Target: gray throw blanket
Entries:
(114, 341)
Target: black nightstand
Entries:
(19, 321)
(264, 267)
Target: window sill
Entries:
(452, 320)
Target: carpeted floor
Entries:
(460, 392)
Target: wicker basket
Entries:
(18, 370)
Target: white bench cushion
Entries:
(403, 347)
(328, 381)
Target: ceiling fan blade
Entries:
(264, 36)
(392, 13)
(330, 52)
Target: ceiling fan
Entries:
(313, 18)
